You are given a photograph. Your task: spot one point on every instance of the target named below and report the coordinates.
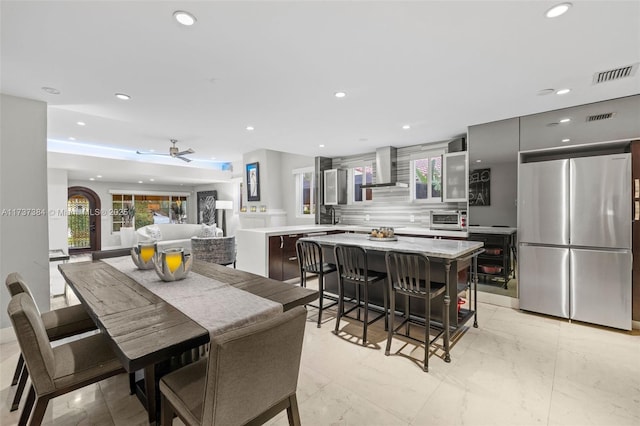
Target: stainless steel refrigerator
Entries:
(574, 225)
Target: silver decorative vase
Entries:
(172, 264)
(143, 255)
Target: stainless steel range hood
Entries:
(386, 171)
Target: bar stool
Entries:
(353, 268)
(310, 261)
(410, 275)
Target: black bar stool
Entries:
(410, 275)
(353, 268)
(310, 261)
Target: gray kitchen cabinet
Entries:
(615, 119)
(335, 187)
(493, 151)
(455, 177)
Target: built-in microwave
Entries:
(448, 219)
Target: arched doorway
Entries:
(83, 220)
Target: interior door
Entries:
(543, 202)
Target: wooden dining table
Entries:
(147, 332)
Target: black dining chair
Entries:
(353, 268)
(311, 261)
(409, 275)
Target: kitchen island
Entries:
(447, 258)
(270, 251)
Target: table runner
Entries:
(216, 306)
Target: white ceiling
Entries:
(438, 66)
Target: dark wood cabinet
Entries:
(283, 260)
(497, 260)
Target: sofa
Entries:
(172, 235)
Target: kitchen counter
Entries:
(444, 249)
(259, 250)
(401, 230)
(492, 230)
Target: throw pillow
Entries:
(208, 231)
(154, 233)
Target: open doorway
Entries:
(83, 220)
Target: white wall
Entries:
(277, 184)
(57, 200)
(289, 162)
(24, 240)
(112, 239)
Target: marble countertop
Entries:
(491, 230)
(446, 249)
(401, 230)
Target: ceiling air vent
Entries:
(598, 117)
(615, 74)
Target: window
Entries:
(138, 210)
(426, 169)
(362, 175)
(305, 197)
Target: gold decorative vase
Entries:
(172, 264)
(143, 255)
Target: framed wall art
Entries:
(207, 207)
(253, 182)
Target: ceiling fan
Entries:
(173, 152)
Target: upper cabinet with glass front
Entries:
(456, 179)
(335, 187)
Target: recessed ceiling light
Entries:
(152, 180)
(51, 90)
(123, 96)
(321, 145)
(557, 10)
(478, 161)
(563, 91)
(81, 123)
(565, 120)
(152, 150)
(213, 158)
(566, 140)
(71, 138)
(406, 127)
(249, 128)
(185, 18)
(92, 179)
(98, 176)
(340, 94)
(545, 92)
(140, 181)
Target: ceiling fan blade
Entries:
(188, 151)
(149, 153)
(184, 159)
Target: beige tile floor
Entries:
(515, 369)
